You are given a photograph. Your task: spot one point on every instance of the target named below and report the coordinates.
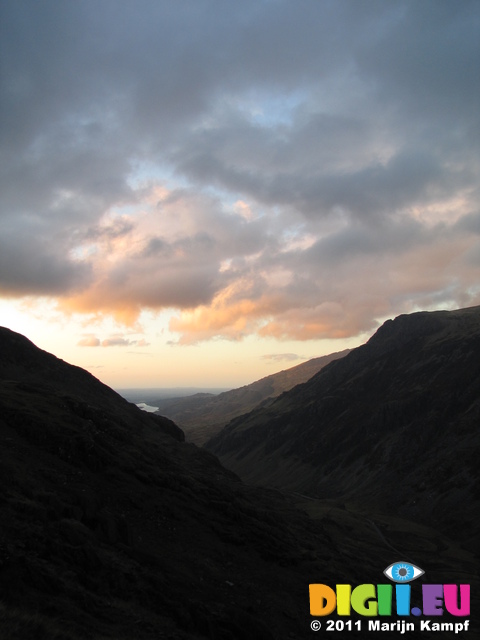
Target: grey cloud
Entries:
(216, 234)
(347, 114)
(116, 229)
(156, 246)
(117, 341)
(282, 357)
(172, 287)
(429, 47)
(472, 258)
(320, 164)
(469, 223)
(31, 262)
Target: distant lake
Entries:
(149, 394)
(146, 407)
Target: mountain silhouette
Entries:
(112, 527)
(394, 425)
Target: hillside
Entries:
(392, 426)
(203, 415)
(113, 528)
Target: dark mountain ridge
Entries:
(113, 528)
(23, 362)
(394, 425)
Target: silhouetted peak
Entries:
(408, 328)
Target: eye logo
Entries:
(403, 572)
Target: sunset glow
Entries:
(189, 191)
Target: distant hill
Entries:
(394, 425)
(153, 395)
(202, 415)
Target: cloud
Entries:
(117, 340)
(179, 252)
(290, 170)
(88, 341)
(281, 357)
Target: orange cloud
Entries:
(223, 276)
(88, 341)
(356, 294)
(96, 302)
(116, 340)
(231, 315)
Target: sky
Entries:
(204, 192)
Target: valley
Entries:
(114, 527)
(204, 413)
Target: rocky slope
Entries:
(203, 415)
(113, 528)
(394, 426)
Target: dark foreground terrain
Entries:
(112, 527)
